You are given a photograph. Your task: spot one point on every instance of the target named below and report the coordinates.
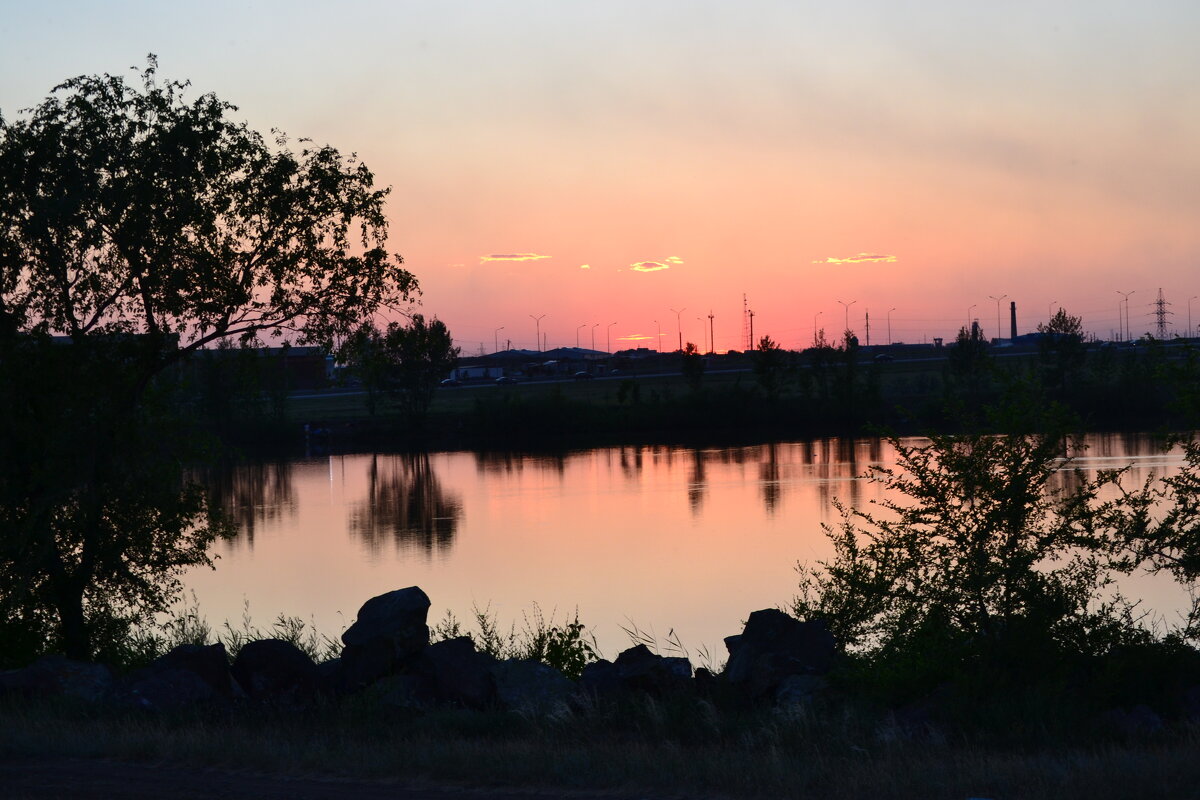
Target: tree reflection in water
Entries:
(407, 506)
(252, 494)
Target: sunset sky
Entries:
(608, 162)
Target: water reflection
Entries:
(697, 484)
(406, 506)
(253, 494)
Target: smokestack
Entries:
(1012, 311)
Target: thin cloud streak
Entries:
(649, 266)
(512, 257)
(861, 258)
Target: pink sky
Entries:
(987, 150)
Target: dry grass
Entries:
(681, 747)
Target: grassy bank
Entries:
(659, 746)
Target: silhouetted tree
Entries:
(770, 364)
(692, 366)
(140, 227)
(1062, 350)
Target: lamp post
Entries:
(658, 341)
(1128, 327)
(997, 299)
(1190, 299)
(577, 330)
(597, 325)
(496, 339)
(538, 322)
(1050, 311)
(608, 338)
(970, 329)
(847, 306)
(679, 326)
(889, 324)
(815, 328)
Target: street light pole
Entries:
(1190, 299)
(997, 299)
(1128, 327)
(679, 326)
(608, 338)
(889, 324)
(847, 305)
(584, 325)
(597, 325)
(815, 328)
(658, 341)
(496, 339)
(538, 322)
(712, 343)
(1050, 311)
(970, 328)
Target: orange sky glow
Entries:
(599, 163)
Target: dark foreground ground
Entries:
(91, 779)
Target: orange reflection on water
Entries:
(689, 539)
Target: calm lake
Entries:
(680, 539)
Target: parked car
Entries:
(583, 376)
(505, 379)
(882, 357)
(451, 382)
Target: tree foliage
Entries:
(770, 365)
(139, 226)
(980, 538)
(692, 366)
(405, 361)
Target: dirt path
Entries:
(82, 779)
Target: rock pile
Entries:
(388, 658)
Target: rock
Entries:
(56, 676)
(276, 671)
(169, 689)
(331, 678)
(530, 687)
(641, 670)
(773, 646)
(208, 662)
(459, 673)
(402, 691)
(389, 631)
(600, 679)
(799, 690)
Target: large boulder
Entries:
(276, 671)
(641, 670)
(412, 692)
(389, 631)
(169, 689)
(774, 646)
(459, 673)
(56, 676)
(530, 687)
(210, 663)
(600, 679)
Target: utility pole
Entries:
(997, 299)
(889, 322)
(712, 343)
(868, 327)
(679, 326)
(538, 321)
(751, 315)
(1190, 299)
